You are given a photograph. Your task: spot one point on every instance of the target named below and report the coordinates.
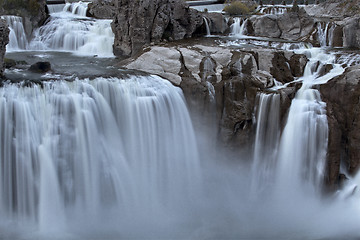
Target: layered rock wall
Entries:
(223, 84)
(138, 23)
(342, 96)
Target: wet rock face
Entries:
(235, 98)
(342, 96)
(101, 9)
(138, 23)
(40, 67)
(289, 26)
(4, 39)
(266, 26)
(351, 33)
(221, 85)
(217, 22)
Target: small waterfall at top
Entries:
(238, 28)
(325, 34)
(72, 151)
(66, 30)
(77, 8)
(70, 30)
(17, 37)
(273, 10)
(54, 8)
(207, 26)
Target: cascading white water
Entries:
(323, 34)
(207, 26)
(76, 8)
(54, 8)
(303, 144)
(238, 28)
(70, 30)
(75, 150)
(66, 30)
(326, 34)
(273, 10)
(17, 36)
(296, 160)
(266, 143)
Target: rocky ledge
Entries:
(222, 83)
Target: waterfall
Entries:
(326, 34)
(295, 162)
(208, 33)
(303, 144)
(76, 8)
(266, 143)
(66, 30)
(54, 8)
(76, 149)
(17, 36)
(76, 33)
(208, 69)
(238, 28)
(273, 10)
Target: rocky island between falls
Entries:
(221, 81)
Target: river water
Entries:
(97, 152)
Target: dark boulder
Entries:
(280, 68)
(297, 64)
(40, 67)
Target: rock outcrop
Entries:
(292, 25)
(217, 22)
(223, 84)
(138, 23)
(334, 9)
(351, 33)
(101, 9)
(4, 39)
(342, 95)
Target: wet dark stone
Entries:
(40, 67)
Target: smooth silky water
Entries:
(94, 152)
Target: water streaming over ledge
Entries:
(118, 158)
(68, 29)
(76, 149)
(17, 36)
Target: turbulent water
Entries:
(82, 148)
(68, 29)
(118, 157)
